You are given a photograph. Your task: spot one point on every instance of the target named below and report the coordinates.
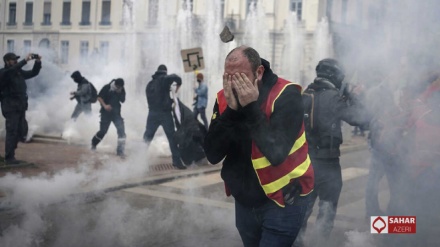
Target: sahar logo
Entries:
(379, 224)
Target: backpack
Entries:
(152, 89)
(94, 96)
(310, 102)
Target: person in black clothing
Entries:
(82, 95)
(324, 136)
(257, 121)
(160, 107)
(14, 100)
(110, 97)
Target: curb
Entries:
(188, 173)
(163, 166)
(90, 195)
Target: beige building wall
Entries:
(116, 33)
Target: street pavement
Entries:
(50, 155)
(183, 207)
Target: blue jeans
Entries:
(270, 224)
(383, 164)
(202, 112)
(328, 186)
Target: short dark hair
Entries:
(251, 54)
(253, 57)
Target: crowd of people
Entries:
(14, 103)
(279, 143)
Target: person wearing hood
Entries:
(14, 100)
(325, 106)
(160, 110)
(257, 130)
(82, 95)
(110, 98)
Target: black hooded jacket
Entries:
(13, 86)
(329, 109)
(158, 91)
(230, 138)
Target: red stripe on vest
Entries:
(271, 173)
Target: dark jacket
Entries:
(83, 92)
(329, 109)
(13, 86)
(112, 98)
(230, 138)
(387, 121)
(189, 135)
(158, 91)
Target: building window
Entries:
(344, 11)
(85, 13)
(105, 12)
(64, 52)
(360, 15)
(187, 4)
(296, 6)
(251, 4)
(27, 46)
(222, 9)
(84, 50)
(66, 13)
(12, 13)
(103, 47)
(47, 13)
(329, 10)
(11, 45)
(29, 12)
(153, 9)
(44, 43)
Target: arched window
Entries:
(44, 43)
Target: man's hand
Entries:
(229, 94)
(247, 91)
(107, 107)
(28, 57)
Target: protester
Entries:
(160, 107)
(110, 97)
(424, 171)
(386, 131)
(201, 100)
(14, 100)
(257, 128)
(82, 95)
(325, 106)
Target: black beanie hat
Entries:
(76, 75)
(162, 68)
(119, 82)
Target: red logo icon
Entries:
(379, 224)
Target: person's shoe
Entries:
(93, 148)
(121, 155)
(179, 166)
